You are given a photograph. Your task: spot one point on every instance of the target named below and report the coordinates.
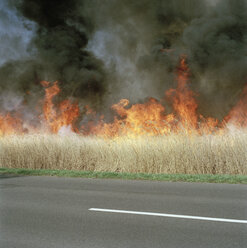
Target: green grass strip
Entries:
(231, 179)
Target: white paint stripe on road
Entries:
(168, 215)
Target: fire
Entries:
(238, 114)
(64, 116)
(139, 119)
(150, 118)
(10, 125)
(183, 99)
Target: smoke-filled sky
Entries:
(15, 33)
(102, 51)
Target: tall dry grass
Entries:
(225, 154)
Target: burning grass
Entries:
(172, 154)
(148, 119)
(142, 138)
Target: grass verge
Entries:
(231, 179)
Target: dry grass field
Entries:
(194, 154)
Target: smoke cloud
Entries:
(102, 51)
(57, 54)
(15, 34)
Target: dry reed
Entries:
(221, 154)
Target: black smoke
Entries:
(102, 51)
(58, 52)
(213, 35)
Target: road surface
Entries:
(40, 212)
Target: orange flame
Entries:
(238, 114)
(64, 116)
(149, 118)
(139, 119)
(10, 125)
(182, 99)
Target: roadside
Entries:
(230, 179)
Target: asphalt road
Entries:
(40, 212)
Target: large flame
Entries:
(149, 118)
(64, 115)
(182, 99)
(139, 119)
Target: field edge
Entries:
(207, 178)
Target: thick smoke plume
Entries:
(102, 51)
(141, 41)
(58, 53)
